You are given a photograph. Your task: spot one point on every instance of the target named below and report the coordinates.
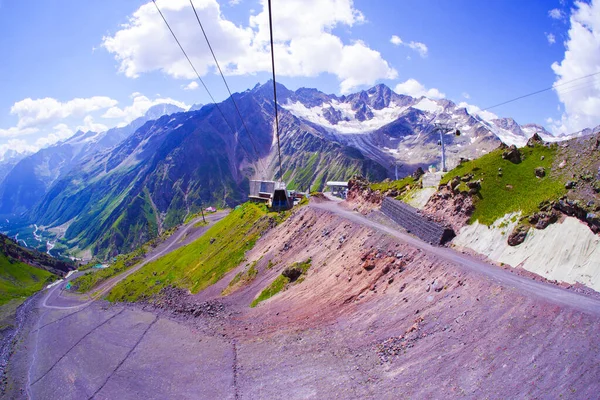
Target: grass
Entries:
(398, 185)
(8, 311)
(280, 283)
(19, 280)
(518, 189)
(201, 263)
(241, 279)
(93, 278)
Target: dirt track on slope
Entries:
(417, 322)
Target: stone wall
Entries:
(410, 219)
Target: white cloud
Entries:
(582, 57)
(419, 47)
(556, 13)
(90, 125)
(304, 43)
(550, 37)
(60, 132)
(396, 40)
(17, 146)
(40, 112)
(466, 95)
(234, 2)
(474, 110)
(16, 132)
(193, 85)
(414, 88)
(139, 106)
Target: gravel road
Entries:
(493, 334)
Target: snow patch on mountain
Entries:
(428, 105)
(348, 123)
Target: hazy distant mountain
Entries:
(28, 180)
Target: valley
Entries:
(332, 295)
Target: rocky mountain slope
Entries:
(121, 196)
(30, 179)
(169, 167)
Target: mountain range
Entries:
(112, 191)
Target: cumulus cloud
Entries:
(16, 132)
(414, 88)
(551, 38)
(474, 110)
(59, 132)
(90, 125)
(581, 101)
(16, 146)
(556, 13)
(419, 47)
(304, 42)
(396, 40)
(193, 85)
(40, 112)
(139, 106)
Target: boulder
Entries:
(562, 164)
(454, 183)
(518, 235)
(292, 273)
(512, 154)
(418, 173)
(475, 185)
(535, 139)
(540, 172)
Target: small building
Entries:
(339, 189)
(273, 194)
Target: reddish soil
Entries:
(379, 315)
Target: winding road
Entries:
(80, 348)
(524, 285)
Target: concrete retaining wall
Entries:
(415, 223)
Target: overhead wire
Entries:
(198, 75)
(539, 91)
(275, 91)
(226, 84)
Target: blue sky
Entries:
(470, 51)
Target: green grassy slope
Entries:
(94, 277)
(201, 263)
(18, 280)
(281, 282)
(516, 188)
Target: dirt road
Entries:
(522, 284)
(486, 333)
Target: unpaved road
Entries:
(476, 341)
(58, 299)
(522, 284)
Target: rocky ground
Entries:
(375, 317)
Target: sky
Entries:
(73, 65)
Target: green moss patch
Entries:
(399, 185)
(281, 282)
